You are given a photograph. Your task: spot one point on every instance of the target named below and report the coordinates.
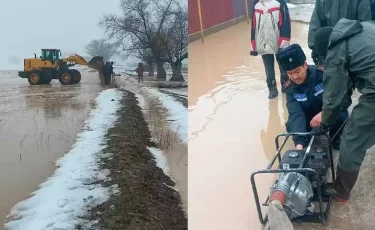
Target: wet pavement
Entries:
(232, 126)
(38, 124)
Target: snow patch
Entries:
(141, 101)
(161, 159)
(301, 12)
(73, 188)
(178, 114)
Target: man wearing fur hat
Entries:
(304, 95)
(349, 52)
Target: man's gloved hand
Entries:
(314, 57)
(253, 53)
(320, 130)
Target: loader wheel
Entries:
(35, 78)
(66, 78)
(77, 76)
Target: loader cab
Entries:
(51, 55)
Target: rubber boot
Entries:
(343, 185)
(273, 93)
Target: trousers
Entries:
(358, 135)
(269, 66)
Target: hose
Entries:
(343, 124)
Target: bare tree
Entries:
(100, 47)
(175, 43)
(140, 27)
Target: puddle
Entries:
(232, 126)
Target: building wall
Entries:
(215, 12)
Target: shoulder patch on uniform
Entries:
(320, 68)
(287, 84)
(300, 96)
(318, 89)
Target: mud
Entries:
(162, 135)
(146, 201)
(232, 126)
(38, 124)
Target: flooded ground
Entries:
(232, 126)
(38, 124)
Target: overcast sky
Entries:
(29, 25)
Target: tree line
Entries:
(154, 31)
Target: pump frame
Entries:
(321, 216)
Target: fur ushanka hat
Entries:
(291, 57)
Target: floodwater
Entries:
(38, 124)
(232, 126)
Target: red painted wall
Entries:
(214, 12)
(193, 21)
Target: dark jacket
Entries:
(110, 69)
(140, 70)
(329, 12)
(372, 4)
(304, 102)
(350, 60)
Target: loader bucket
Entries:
(96, 63)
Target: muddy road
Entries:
(38, 124)
(232, 126)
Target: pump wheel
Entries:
(66, 78)
(77, 76)
(35, 77)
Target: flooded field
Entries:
(38, 124)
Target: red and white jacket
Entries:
(270, 28)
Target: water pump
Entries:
(302, 173)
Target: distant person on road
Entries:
(304, 95)
(107, 71)
(111, 68)
(328, 13)
(270, 31)
(349, 51)
(140, 69)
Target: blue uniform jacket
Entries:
(304, 102)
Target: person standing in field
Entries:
(140, 71)
(270, 31)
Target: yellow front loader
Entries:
(41, 70)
